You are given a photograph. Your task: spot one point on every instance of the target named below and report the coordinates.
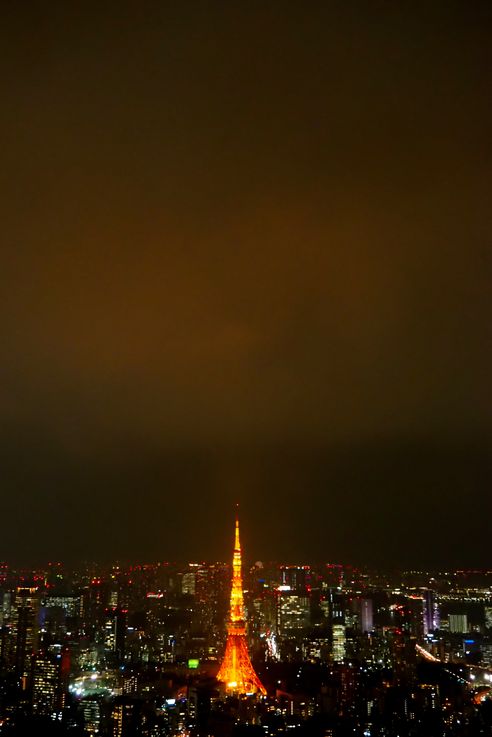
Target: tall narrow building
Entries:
(25, 630)
(236, 671)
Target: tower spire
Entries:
(237, 544)
(236, 671)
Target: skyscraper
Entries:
(47, 694)
(236, 671)
(458, 623)
(339, 641)
(25, 630)
(293, 612)
(115, 631)
(431, 611)
(366, 615)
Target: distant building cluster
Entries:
(137, 650)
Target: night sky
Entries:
(246, 255)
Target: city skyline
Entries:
(153, 648)
(246, 284)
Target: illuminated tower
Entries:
(236, 671)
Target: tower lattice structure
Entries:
(236, 671)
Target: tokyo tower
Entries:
(236, 671)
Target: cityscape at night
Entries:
(245, 368)
(308, 650)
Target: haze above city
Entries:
(246, 257)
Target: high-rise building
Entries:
(237, 672)
(25, 630)
(366, 615)
(488, 617)
(431, 612)
(188, 583)
(458, 623)
(6, 605)
(47, 694)
(91, 710)
(293, 611)
(339, 640)
(486, 649)
(293, 600)
(359, 614)
(115, 631)
(296, 577)
(336, 606)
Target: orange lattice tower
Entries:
(236, 671)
